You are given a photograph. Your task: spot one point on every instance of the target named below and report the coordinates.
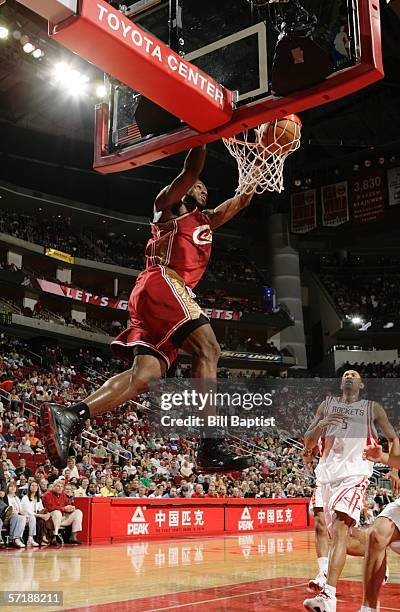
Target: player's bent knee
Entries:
(379, 536)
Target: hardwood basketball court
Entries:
(252, 572)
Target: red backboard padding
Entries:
(113, 43)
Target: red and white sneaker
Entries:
(317, 584)
(323, 602)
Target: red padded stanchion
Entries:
(113, 43)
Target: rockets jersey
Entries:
(182, 244)
(342, 445)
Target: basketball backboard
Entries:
(184, 72)
(235, 41)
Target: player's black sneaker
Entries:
(213, 456)
(58, 425)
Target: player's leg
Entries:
(337, 557)
(382, 533)
(342, 504)
(322, 550)
(326, 600)
(204, 349)
(60, 423)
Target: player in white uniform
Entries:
(356, 540)
(346, 425)
(383, 533)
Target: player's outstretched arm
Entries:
(228, 209)
(192, 168)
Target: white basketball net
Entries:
(258, 165)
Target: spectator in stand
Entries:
(11, 437)
(22, 485)
(92, 490)
(43, 485)
(54, 475)
(212, 491)
(185, 491)
(17, 519)
(81, 490)
(3, 484)
(33, 509)
(186, 470)
(99, 451)
(159, 492)
(71, 468)
(383, 498)
(198, 491)
(23, 469)
(141, 492)
(108, 490)
(130, 468)
(125, 490)
(3, 441)
(278, 492)
(62, 513)
(33, 441)
(69, 493)
(172, 493)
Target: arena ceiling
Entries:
(363, 124)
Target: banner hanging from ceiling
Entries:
(304, 211)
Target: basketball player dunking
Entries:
(346, 425)
(163, 315)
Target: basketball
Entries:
(281, 136)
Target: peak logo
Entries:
(245, 521)
(202, 235)
(138, 524)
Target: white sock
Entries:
(330, 590)
(323, 564)
(366, 609)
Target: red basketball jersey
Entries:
(182, 244)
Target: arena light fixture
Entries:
(3, 32)
(101, 91)
(28, 47)
(356, 320)
(70, 80)
(37, 54)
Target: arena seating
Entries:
(127, 429)
(231, 265)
